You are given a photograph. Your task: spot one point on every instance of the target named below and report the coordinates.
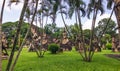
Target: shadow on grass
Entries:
(116, 56)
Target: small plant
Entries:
(109, 46)
(53, 48)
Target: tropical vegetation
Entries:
(102, 35)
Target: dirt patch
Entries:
(116, 56)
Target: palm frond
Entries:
(63, 11)
(83, 11)
(100, 6)
(89, 10)
(96, 5)
(70, 12)
(101, 9)
(109, 4)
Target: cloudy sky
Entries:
(12, 14)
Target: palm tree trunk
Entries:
(92, 34)
(64, 23)
(104, 30)
(76, 17)
(19, 42)
(1, 17)
(40, 48)
(41, 25)
(0, 45)
(17, 33)
(81, 35)
(21, 46)
(117, 13)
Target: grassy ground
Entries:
(66, 61)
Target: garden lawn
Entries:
(66, 61)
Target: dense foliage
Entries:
(10, 29)
(53, 48)
(109, 46)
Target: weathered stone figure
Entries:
(45, 42)
(65, 42)
(37, 41)
(114, 44)
(4, 44)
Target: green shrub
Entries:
(109, 46)
(53, 48)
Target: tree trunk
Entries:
(65, 24)
(21, 46)
(82, 37)
(104, 30)
(117, 13)
(92, 50)
(16, 36)
(0, 44)
(41, 52)
(19, 38)
(1, 16)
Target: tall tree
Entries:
(63, 11)
(1, 17)
(17, 33)
(78, 7)
(94, 7)
(102, 24)
(59, 7)
(117, 12)
(105, 26)
(21, 46)
(116, 9)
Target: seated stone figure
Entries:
(65, 42)
(4, 44)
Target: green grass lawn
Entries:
(66, 61)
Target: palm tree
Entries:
(42, 12)
(116, 11)
(1, 17)
(75, 7)
(58, 7)
(21, 46)
(81, 30)
(17, 33)
(107, 23)
(94, 6)
(63, 11)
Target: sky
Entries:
(12, 14)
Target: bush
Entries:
(53, 48)
(109, 46)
